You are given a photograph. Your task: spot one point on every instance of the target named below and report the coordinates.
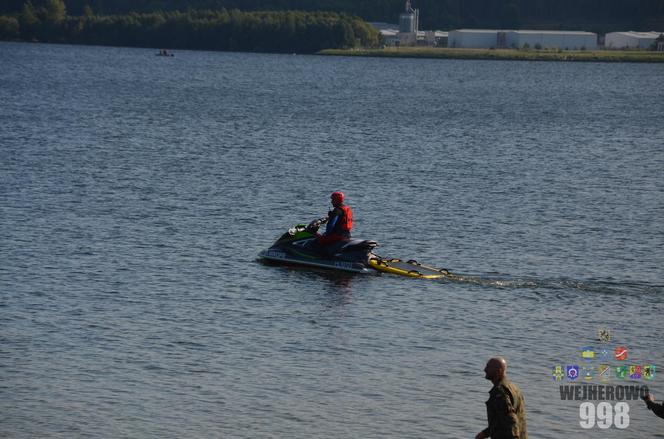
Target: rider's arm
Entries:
(332, 221)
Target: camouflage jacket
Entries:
(506, 411)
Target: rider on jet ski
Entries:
(339, 221)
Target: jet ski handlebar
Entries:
(315, 225)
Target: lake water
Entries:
(137, 190)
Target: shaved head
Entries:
(495, 369)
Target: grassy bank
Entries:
(504, 54)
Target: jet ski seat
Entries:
(355, 244)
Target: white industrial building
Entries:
(493, 38)
(421, 38)
(473, 38)
(548, 39)
(630, 40)
(392, 37)
(407, 32)
(409, 19)
(409, 25)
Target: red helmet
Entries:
(337, 198)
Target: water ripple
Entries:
(136, 193)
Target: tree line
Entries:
(233, 30)
(597, 15)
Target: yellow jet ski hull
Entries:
(409, 268)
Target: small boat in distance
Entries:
(164, 52)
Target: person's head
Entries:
(337, 198)
(495, 369)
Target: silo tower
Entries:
(409, 19)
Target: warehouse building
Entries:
(473, 38)
(631, 40)
(565, 40)
(492, 38)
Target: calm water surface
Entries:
(136, 192)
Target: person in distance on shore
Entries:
(506, 409)
(657, 409)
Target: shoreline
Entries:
(611, 56)
(640, 56)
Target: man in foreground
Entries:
(506, 409)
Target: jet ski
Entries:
(299, 246)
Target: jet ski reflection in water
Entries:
(333, 249)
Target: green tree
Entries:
(29, 14)
(29, 21)
(269, 31)
(9, 28)
(347, 35)
(56, 12)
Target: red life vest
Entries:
(345, 223)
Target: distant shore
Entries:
(504, 54)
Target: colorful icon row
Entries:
(619, 353)
(603, 373)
